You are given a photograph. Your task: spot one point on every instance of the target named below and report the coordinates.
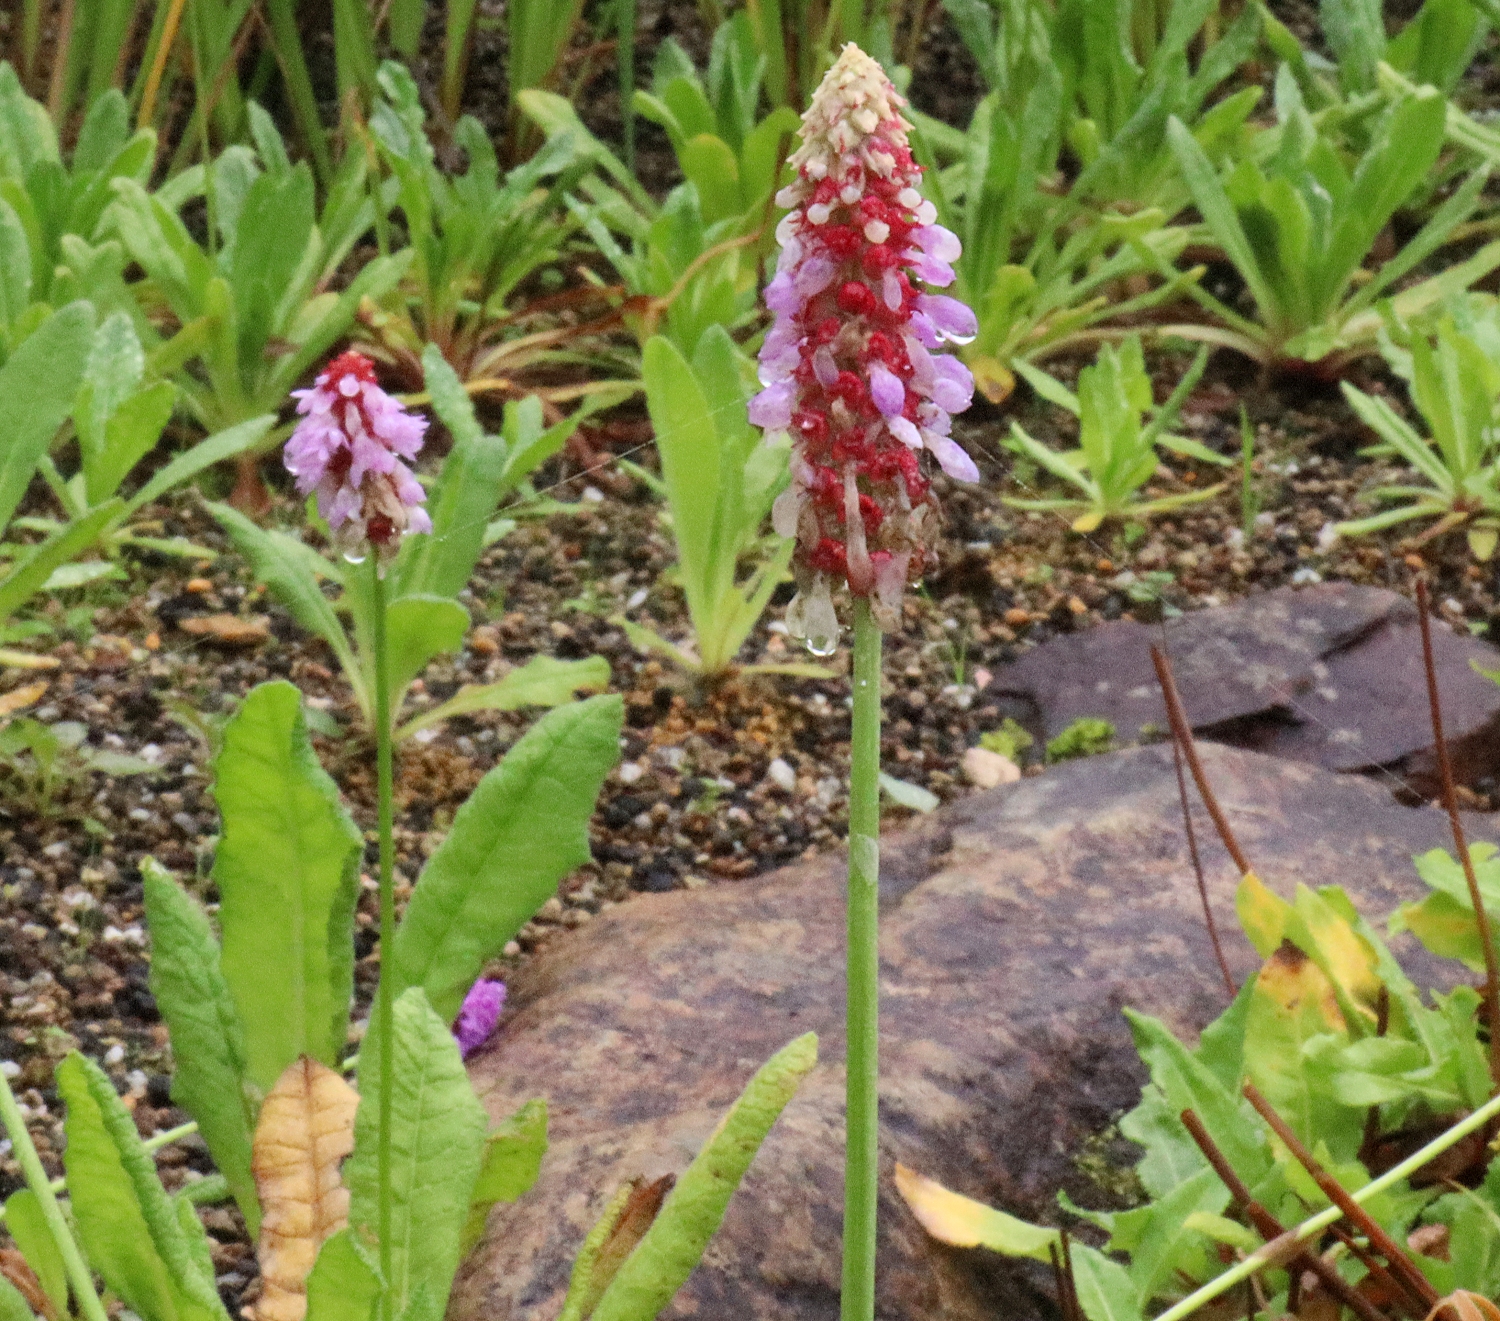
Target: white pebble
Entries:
(10, 1068)
(781, 775)
(1304, 576)
(986, 770)
(637, 598)
(114, 1055)
(630, 772)
(56, 850)
(1327, 535)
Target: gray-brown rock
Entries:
(1016, 925)
(1329, 674)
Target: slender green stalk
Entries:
(384, 1004)
(862, 1134)
(1273, 1253)
(36, 1179)
(154, 1143)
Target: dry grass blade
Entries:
(306, 1128)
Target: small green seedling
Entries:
(1085, 737)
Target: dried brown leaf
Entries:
(306, 1129)
(16, 1269)
(229, 630)
(1461, 1305)
(18, 699)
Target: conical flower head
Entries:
(853, 365)
(348, 448)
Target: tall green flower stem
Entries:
(79, 1277)
(862, 1132)
(384, 1002)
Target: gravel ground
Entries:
(717, 782)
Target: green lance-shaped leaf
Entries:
(522, 830)
(673, 1245)
(27, 1226)
(344, 1282)
(464, 499)
(132, 1231)
(208, 1042)
(417, 629)
(542, 681)
(437, 1147)
(512, 1161)
(37, 386)
(286, 868)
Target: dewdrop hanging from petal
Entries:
(853, 366)
(348, 448)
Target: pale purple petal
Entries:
(923, 328)
(781, 297)
(480, 1012)
(771, 409)
(951, 457)
(886, 390)
(932, 418)
(938, 242)
(953, 390)
(950, 318)
(400, 430)
(824, 367)
(906, 432)
(890, 290)
(930, 269)
(922, 371)
(812, 277)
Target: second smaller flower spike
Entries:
(853, 365)
(480, 1013)
(348, 448)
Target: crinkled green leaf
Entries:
(344, 1283)
(286, 867)
(128, 1225)
(512, 1161)
(437, 1146)
(208, 1042)
(37, 386)
(521, 831)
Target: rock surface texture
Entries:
(1329, 674)
(1016, 925)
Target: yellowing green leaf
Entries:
(961, 1221)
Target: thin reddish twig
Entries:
(1401, 1266)
(1192, 843)
(1271, 1229)
(1460, 843)
(1184, 733)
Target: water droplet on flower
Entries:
(822, 646)
(354, 558)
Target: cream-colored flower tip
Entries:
(854, 103)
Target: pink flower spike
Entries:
(853, 367)
(480, 1013)
(348, 448)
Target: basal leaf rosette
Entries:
(853, 366)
